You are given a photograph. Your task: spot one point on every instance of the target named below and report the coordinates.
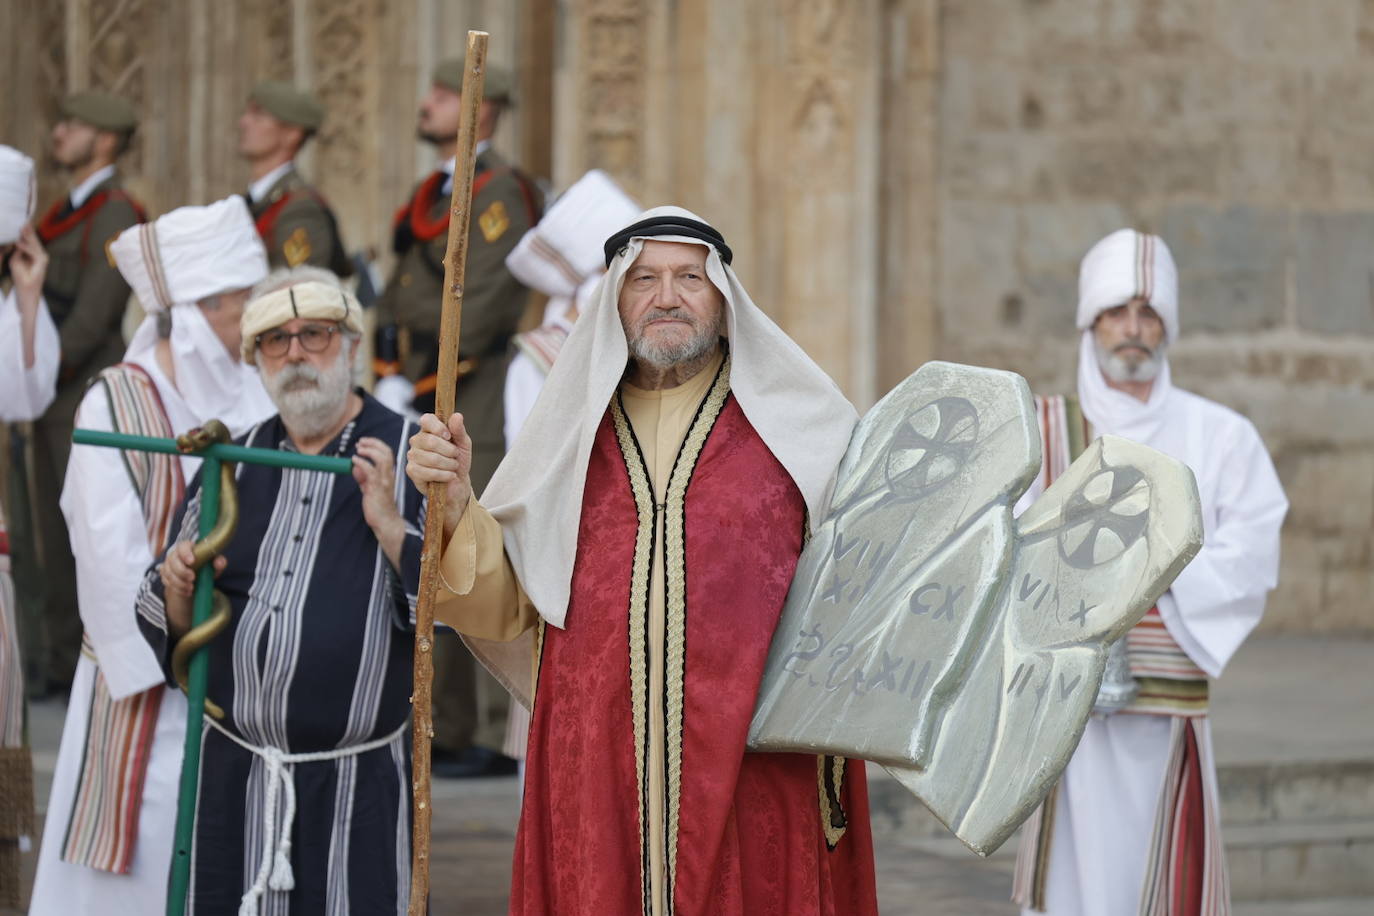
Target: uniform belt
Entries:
(430, 383)
(274, 870)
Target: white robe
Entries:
(1111, 788)
(26, 392)
(110, 544)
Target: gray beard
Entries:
(1118, 369)
(666, 355)
(309, 410)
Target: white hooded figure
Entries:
(29, 349)
(1134, 825)
(107, 841)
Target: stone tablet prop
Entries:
(930, 631)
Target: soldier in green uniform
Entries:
(87, 298)
(469, 706)
(295, 222)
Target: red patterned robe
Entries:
(639, 795)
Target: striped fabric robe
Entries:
(1134, 826)
(317, 658)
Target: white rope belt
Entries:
(274, 871)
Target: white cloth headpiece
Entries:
(1126, 265)
(191, 253)
(309, 299)
(536, 493)
(563, 250)
(183, 257)
(17, 193)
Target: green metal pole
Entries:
(213, 456)
(195, 701)
(240, 454)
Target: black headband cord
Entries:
(657, 226)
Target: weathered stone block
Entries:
(1346, 604)
(1312, 30)
(1231, 265)
(1333, 492)
(1174, 27)
(978, 260)
(982, 29)
(982, 165)
(1335, 273)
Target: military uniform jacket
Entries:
(298, 227)
(505, 204)
(85, 292)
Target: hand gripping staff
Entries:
(455, 262)
(210, 611)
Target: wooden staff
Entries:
(455, 261)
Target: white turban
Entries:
(16, 193)
(1123, 266)
(191, 253)
(563, 251)
(310, 299)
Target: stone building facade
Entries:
(903, 179)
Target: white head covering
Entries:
(562, 254)
(191, 253)
(185, 256)
(536, 493)
(307, 299)
(16, 193)
(1125, 265)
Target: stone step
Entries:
(1250, 794)
(1301, 859)
(1261, 793)
(1329, 906)
(1294, 830)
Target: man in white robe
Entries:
(1134, 826)
(29, 356)
(107, 841)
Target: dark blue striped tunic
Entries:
(318, 657)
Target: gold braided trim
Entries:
(639, 624)
(538, 662)
(675, 582)
(829, 781)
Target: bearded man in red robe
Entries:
(623, 574)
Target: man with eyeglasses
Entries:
(322, 574)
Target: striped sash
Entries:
(1186, 872)
(103, 825)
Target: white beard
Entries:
(311, 400)
(1118, 369)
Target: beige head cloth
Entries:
(536, 493)
(311, 299)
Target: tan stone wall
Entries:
(902, 179)
(1239, 130)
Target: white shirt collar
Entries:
(258, 189)
(448, 166)
(83, 190)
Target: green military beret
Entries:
(101, 110)
(288, 104)
(497, 87)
